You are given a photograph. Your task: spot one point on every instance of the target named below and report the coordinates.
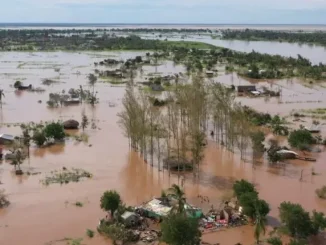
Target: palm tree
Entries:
(1, 95)
(178, 194)
(260, 224)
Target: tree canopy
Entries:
(54, 131)
(178, 229)
(300, 137)
(247, 196)
(299, 222)
(110, 201)
(241, 187)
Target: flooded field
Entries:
(40, 215)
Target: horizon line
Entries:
(103, 23)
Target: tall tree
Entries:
(92, 81)
(178, 194)
(260, 225)
(110, 201)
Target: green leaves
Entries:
(110, 201)
(178, 229)
(299, 222)
(300, 137)
(54, 131)
(243, 186)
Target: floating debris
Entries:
(66, 176)
(48, 81)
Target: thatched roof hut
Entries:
(71, 124)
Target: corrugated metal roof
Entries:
(7, 137)
(127, 214)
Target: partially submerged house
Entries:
(155, 208)
(115, 73)
(71, 101)
(157, 87)
(286, 154)
(255, 93)
(246, 88)
(6, 138)
(130, 219)
(159, 208)
(313, 128)
(22, 87)
(209, 73)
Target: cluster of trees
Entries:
(37, 133)
(316, 37)
(256, 209)
(42, 133)
(177, 228)
(32, 33)
(40, 40)
(273, 66)
(296, 221)
(182, 128)
(299, 223)
(87, 96)
(276, 123)
(253, 64)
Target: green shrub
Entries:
(90, 233)
(39, 137)
(274, 241)
(301, 137)
(79, 204)
(241, 187)
(17, 84)
(321, 193)
(54, 131)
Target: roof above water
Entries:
(7, 137)
(127, 214)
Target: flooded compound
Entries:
(41, 214)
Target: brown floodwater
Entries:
(40, 214)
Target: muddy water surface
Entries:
(40, 214)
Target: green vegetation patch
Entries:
(65, 176)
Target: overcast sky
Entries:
(165, 11)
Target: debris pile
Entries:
(65, 176)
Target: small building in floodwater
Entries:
(246, 88)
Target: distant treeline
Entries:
(51, 40)
(316, 37)
(38, 32)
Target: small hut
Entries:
(71, 124)
(313, 128)
(209, 73)
(246, 88)
(6, 138)
(130, 219)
